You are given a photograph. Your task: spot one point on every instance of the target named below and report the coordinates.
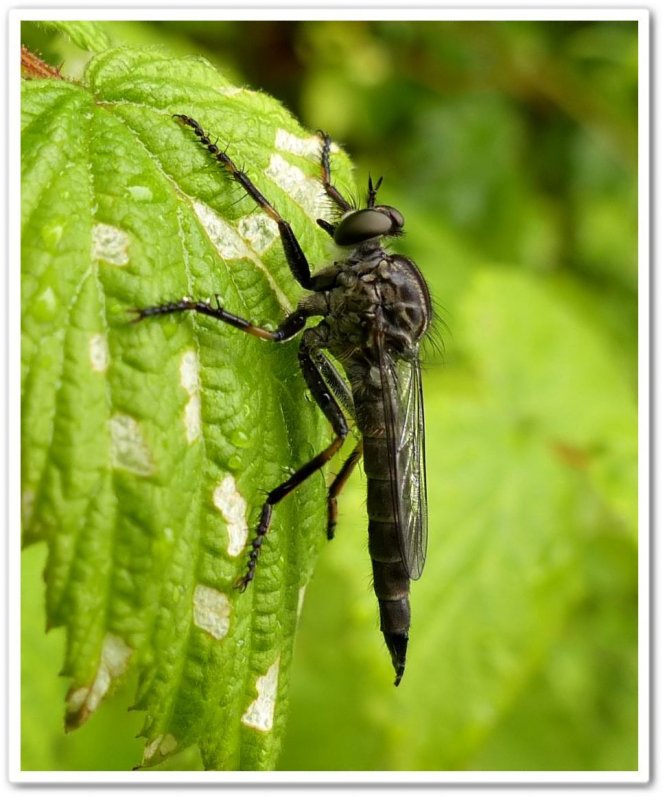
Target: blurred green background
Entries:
(511, 149)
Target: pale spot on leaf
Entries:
(83, 700)
(98, 352)
(260, 712)
(259, 231)
(289, 143)
(233, 507)
(223, 236)
(142, 194)
(306, 192)
(211, 610)
(128, 447)
(110, 244)
(190, 382)
(160, 746)
(190, 371)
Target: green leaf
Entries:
(575, 391)
(84, 33)
(579, 711)
(148, 449)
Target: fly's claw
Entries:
(333, 519)
(139, 314)
(135, 315)
(186, 120)
(242, 583)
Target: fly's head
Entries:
(362, 225)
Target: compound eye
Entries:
(394, 214)
(361, 225)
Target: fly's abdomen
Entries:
(390, 580)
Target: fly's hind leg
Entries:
(337, 487)
(311, 367)
(343, 394)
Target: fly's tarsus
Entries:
(256, 545)
(325, 172)
(226, 162)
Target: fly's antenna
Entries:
(372, 191)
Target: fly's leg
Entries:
(325, 172)
(340, 389)
(290, 326)
(329, 188)
(312, 373)
(296, 259)
(337, 487)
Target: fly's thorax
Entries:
(406, 302)
(379, 285)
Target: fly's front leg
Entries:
(290, 326)
(312, 372)
(329, 188)
(325, 173)
(296, 259)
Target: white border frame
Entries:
(372, 10)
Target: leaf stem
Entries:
(32, 66)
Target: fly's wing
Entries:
(403, 406)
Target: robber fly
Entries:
(375, 308)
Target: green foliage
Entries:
(528, 595)
(141, 442)
(86, 35)
(511, 150)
